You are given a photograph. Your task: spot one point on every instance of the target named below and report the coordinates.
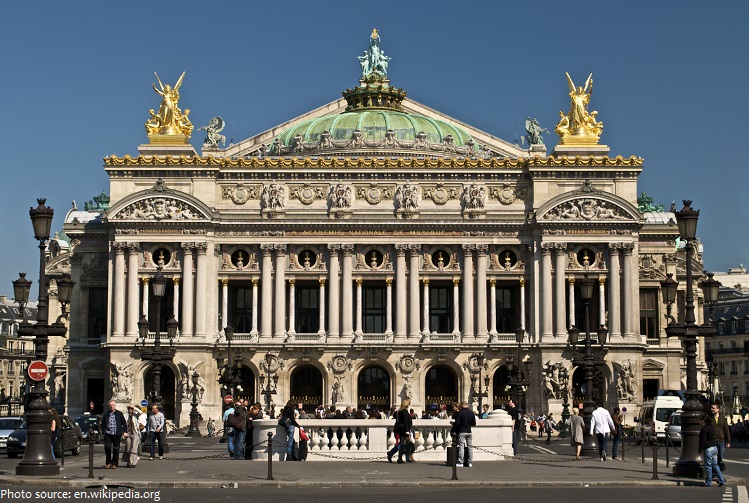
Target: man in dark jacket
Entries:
(462, 423)
(114, 427)
(240, 429)
(721, 431)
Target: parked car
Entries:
(88, 422)
(7, 426)
(674, 428)
(654, 416)
(72, 439)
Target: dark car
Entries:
(90, 422)
(72, 439)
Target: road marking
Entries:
(741, 495)
(736, 461)
(542, 449)
(728, 495)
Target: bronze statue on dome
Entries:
(579, 125)
(169, 120)
(374, 62)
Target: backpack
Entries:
(235, 420)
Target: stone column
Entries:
(280, 292)
(144, 305)
(547, 303)
(201, 272)
(389, 307)
(321, 323)
(481, 263)
(456, 309)
(492, 309)
(615, 328)
(572, 302)
(187, 289)
(334, 294)
(414, 256)
(253, 332)
(522, 303)
(347, 329)
(118, 321)
(602, 299)
(225, 304)
(467, 304)
(359, 307)
(630, 305)
(133, 292)
(266, 317)
(175, 304)
(400, 291)
(292, 307)
(425, 308)
(560, 304)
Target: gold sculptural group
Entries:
(579, 127)
(169, 124)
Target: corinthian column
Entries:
(358, 307)
(400, 291)
(347, 310)
(456, 309)
(253, 332)
(334, 300)
(631, 306)
(201, 306)
(492, 309)
(187, 289)
(560, 307)
(572, 302)
(467, 307)
(144, 303)
(481, 316)
(280, 291)
(522, 304)
(602, 300)
(547, 304)
(292, 307)
(389, 307)
(413, 291)
(118, 321)
(321, 324)
(225, 303)
(615, 327)
(266, 283)
(133, 292)
(425, 308)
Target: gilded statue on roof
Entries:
(579, 126)
(169, 120)
(374, 63)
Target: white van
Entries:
(654, 416)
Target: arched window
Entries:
(440, 387)
(373, 389)
(306, 387)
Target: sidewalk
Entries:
(182, 468)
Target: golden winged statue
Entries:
(169, 121)
(579, 126)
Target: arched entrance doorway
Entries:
(306, 387)
(373, 389)
(440, 387)
(578, 386)
(502, 391)
(168, 389)
(247, 382)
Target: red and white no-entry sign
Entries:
(228, 399)
(37, 370)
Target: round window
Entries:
(374, 258)
(440, 259)
(586, 257)
(507, 259)
(307, 259)
(161, 257)
(239, 258)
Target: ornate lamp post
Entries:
(476, 390)
(268, 382)
(564, 382)
(38, 460)
(194, 430)
(588, 362)
(229, 378)
(689, 463)
(519, 382)
(156, 354)
(712, 373)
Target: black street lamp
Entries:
(476, 389)
(156, 354)
(564, 382)
(229, 378)
(519, 382)
(712, 373)
(268, 382)
(37, 459)
(194, 430)
(690, 462)
(588, 362)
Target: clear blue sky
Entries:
(671, 86)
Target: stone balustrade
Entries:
(332, 439)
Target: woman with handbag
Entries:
(401, 430)
(289, 423)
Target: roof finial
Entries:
(374, 33)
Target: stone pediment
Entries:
(650, 364)
(588, 205)
(159, 204)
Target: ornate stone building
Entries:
(373, 247)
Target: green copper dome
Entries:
(373, 124)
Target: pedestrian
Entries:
(238, 422)
(709, 445)
(721, 432)
(601, 424)
(484, 412)
(253, 413)
(576, 432)
(463, 421)
(513, 412)
(549, 427)
(56, 430)
(289, 423)
(156, 425)
(211, 426)
(617, 432)
(402, 432)
(229, 430)
(132, 441)
(114, 427)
